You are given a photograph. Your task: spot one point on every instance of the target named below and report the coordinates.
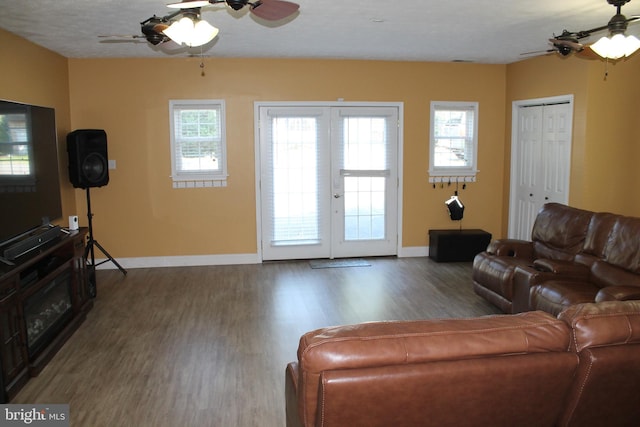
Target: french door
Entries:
(541, 160)
(328, 181)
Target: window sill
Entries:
(200, 183)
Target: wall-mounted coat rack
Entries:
(451, 179)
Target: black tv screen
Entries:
(29, 180)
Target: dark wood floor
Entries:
(207, 346)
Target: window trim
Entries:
(464, 173)
(185, 179)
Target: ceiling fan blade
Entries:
(158, 28)
(587, 53)
(575, 46)
(120, 36)
(274, 10)
(537, 52)
(188, 4)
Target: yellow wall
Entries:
(140, 214)
(34, 75)
(606, 137)
(613, 138)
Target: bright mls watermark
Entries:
(40, 415)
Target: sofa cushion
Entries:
(604, 274)
(598, 233)
(618, 293)
(555, 295)
(559, 231)
(623, 246)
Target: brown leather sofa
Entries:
(529, 369)
(574, 256)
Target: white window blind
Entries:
(198, 145)
(296, 165)
(453, 140)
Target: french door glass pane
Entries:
(295, 180)
(364, 208)
(365, 143)
(364, 153)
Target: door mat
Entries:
(336, 263)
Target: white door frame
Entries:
(258, 170)
(515, 120)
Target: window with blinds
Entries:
(198, 145)
(453, 139)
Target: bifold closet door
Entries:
(541, 163)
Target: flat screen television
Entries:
(29, 180)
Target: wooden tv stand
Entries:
(49, 279)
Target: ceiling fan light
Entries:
(179, 30)
(632, 44)
(203, 33)
(616, 47)
(190, 33)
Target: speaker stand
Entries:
(90, 250)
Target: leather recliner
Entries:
(496, 370)
(574, 256)
(530, 369)
(609, 272)
(558, 234)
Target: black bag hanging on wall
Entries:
(88, 159)
(455, 207)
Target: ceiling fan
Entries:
(151, 28)
(565, 44)
(154, 29)
(271, 10)
(569, 42)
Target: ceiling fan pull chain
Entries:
(201, 63)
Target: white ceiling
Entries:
(482, 31)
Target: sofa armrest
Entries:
(567, 269)
(291, 395)
(618, 293)
(524, 278)
(511, 248)
(542, 270)
(603, 324)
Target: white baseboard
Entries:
(180, 261)
(202, 260)
(413, 251)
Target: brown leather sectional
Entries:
(581, 368)
(574, 256)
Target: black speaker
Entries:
(88, 160)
